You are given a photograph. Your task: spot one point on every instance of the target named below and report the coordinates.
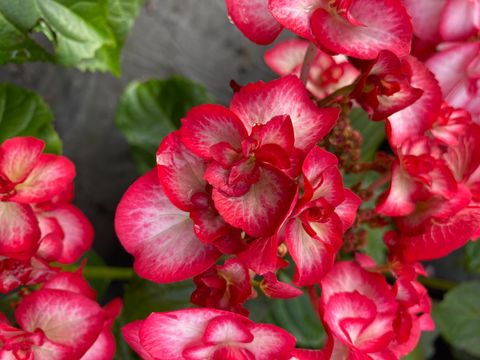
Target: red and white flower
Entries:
(205, 334)
(327, 73)
(358, 309)
(357, 28)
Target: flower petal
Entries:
(66, 318)
(286, 56)
(131, 334)
(158, 235)
(313, 256)
(165, 335)
(259, 102)
(77, 229)
(377, 32)
(295, 15)
(458, 20)
(439, 238)
(19, 230)
(208, 125)
(254, 20)
(418, 117)
(260, 211)
(180, 172)
(18, 157)
(50, 176)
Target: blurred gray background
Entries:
(191, 38)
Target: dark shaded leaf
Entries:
(143, 297)
(149, 110)
(373, 132)
(24, 113)
(458, 317)
(472, 256)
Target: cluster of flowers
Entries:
(249, 183)
(56, 316)
(38, 225)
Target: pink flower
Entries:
(446, 20)
(205, 334)
(225, 171)
(415, 119)
(37, 222)
(385, 87)
(358, 309)
(225, 287)
(275, 289)
(434, 196)
(54, 324)
(27, 176)
(253, 147)
(326, 75)
(356, 28)
(14, 273)
(457, 69)
(313, 232)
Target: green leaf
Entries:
(472, 256)
(84, 33)
(24, 113)
(143, 297)
(374, 246)
(373, 132)
(100, 285)
(120, 17)
(123, 350)
(8, 303)
(149, 110)
(458, 317)
(425, 348)
(297, 316)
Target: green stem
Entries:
(104, 272)
(346, 90)
(307, 62)
(437, 284)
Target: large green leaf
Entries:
(472, 256)
(143, 297)
(88, 34)
(373, 132)
(149, 110)
(458, 317)
(24, 113)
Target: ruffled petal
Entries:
(259, 102)
(377, 32)
(180, 172)
(208, 125)
(260, 211)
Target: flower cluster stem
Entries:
(307, 62)
(104, 272)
